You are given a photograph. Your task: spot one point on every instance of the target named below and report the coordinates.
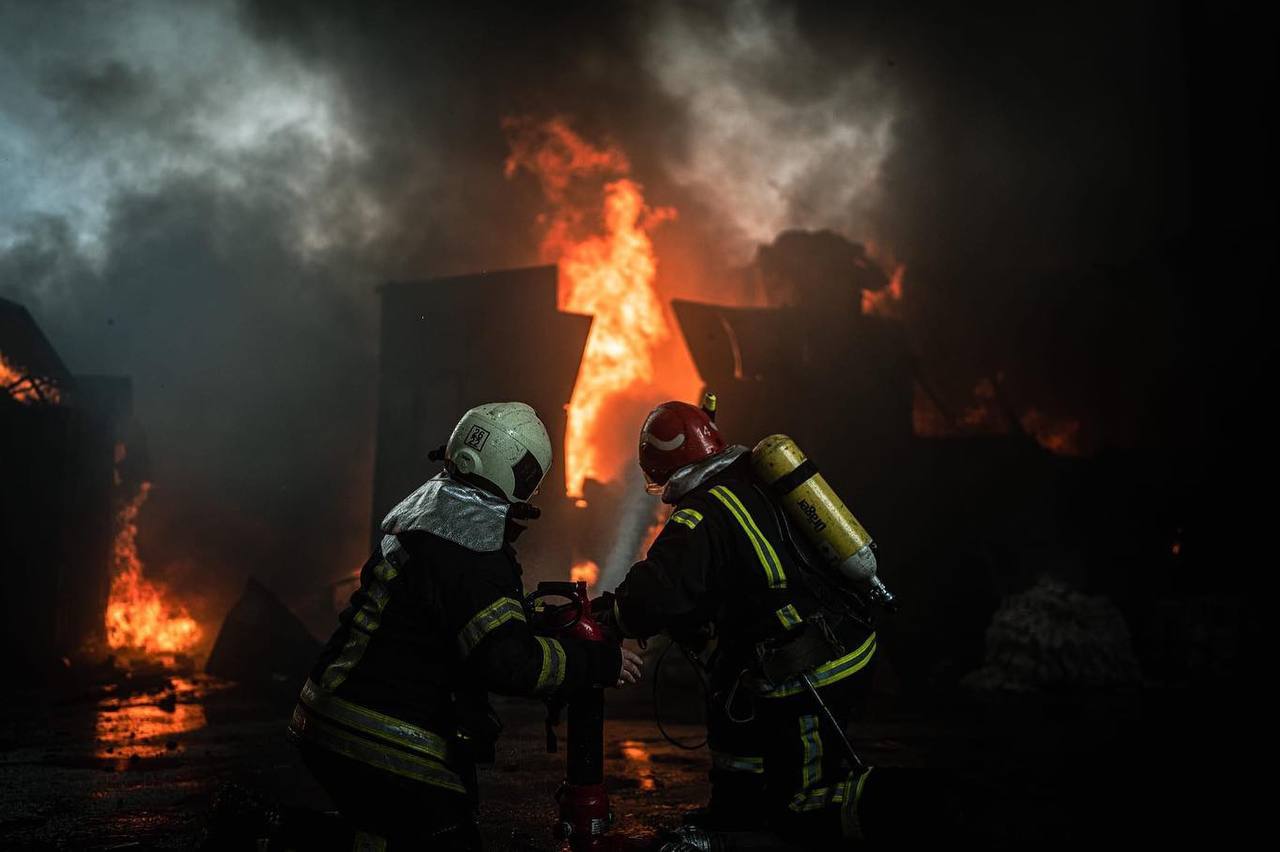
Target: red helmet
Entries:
(675, 434)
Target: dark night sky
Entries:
(203, 197)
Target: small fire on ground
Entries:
(139, 619)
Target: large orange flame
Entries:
(138, 618)
(599, 231)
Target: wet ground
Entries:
(135, 765)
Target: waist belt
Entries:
(374, 738)
(824, 674)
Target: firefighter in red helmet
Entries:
(727, 558)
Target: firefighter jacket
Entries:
(725, 556)
(433, 627)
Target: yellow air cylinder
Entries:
(818, 510)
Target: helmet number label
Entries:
(477, 437)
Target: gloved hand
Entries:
(632, 669)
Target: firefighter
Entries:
(395, 712)
(726, 557)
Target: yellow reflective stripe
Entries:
(488, 620)
(365, 622)
(789, 616)
(768, 557)
(315, 729)
(375, 724)
(821, 797)
(737, 762)
(554, 662)
(689, 517)
(850, 819)
(811, 741)
(829, 672)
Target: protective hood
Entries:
(453, 510)
(691, 476)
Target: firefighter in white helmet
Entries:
(395, 714)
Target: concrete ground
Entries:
(135, 765)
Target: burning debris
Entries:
(139, 619)
(25, 387)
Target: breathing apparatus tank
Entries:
(844, 543)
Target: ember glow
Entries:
(585, 570)
(138, 617)
(598, 231)
(887, 302)
(25, 388)
(1057, 435)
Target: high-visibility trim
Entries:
(488, 620)
(363, 625)
(829, 672)
(737, 762)
(307, 725)
(850, 819)
(554, 663)
(368, 721)
(811, 742)
(818, 797)
(821, 797)
(689, 517)
(789, 616)
(774, 575)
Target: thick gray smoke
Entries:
(776, 136)
(203, 196)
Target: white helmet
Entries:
(505, 445)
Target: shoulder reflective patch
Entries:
(773, 572)
(789, 616)
(554, 662)
(689, 517)
(486, 621)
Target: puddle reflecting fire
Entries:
(147, 724)
(639, 759)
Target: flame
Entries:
(138, 618)
(599, 231)
(887, 302)
(25, 388)
(1058, 436)
(585, 569)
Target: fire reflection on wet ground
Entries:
(639, 763)
(147, 724)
